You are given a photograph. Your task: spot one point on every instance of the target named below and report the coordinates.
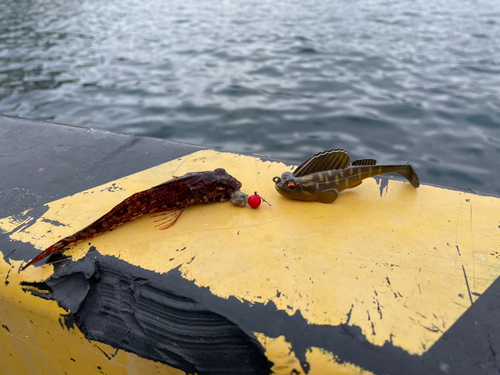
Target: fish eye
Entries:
(277, 180)
(221, 185)
(290, 185)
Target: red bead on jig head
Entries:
(254, 201)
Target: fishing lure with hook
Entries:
(324, 175)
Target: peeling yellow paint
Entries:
(321, 362)
(394, 265)
(10, 224)
(282, 355)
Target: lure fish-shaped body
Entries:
(171, 198)
(322, 176)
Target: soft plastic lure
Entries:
(171, 198)
(322, 176)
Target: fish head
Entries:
(221, 185)
(291, 186)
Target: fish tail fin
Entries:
(58, 246)
(405, 170)
(411, 176)
(409, 173)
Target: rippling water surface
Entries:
(397, 81)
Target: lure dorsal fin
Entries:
(364, 162)
(324, 161)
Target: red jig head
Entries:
(257, 200)
(254, 201)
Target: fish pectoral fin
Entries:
(364, 162)
(323, 161)
(354, 185)
(168, 217)
(328, 196)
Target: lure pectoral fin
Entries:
(328, 196)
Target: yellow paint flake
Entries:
(283, 357)
(12, 223)
(321, 361)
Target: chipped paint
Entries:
(480, 256)
(320, 361)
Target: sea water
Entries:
(399, 81)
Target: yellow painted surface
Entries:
(396, 263)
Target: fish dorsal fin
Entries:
(323, 161)
(364, 162)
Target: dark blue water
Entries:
(400, 81)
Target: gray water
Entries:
(400, 81)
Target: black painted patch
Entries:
(7, 277)
(139, 311)
(54, 222)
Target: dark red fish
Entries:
(171, 198)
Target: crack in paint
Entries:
(467, 283)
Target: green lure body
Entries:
(324, 175)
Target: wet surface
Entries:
(388, 80)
